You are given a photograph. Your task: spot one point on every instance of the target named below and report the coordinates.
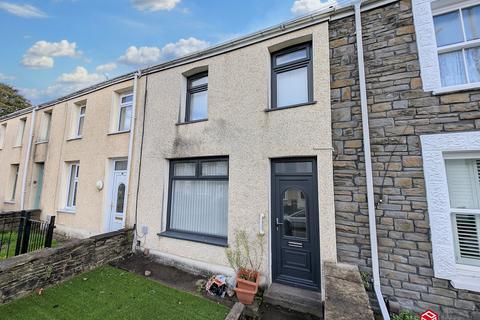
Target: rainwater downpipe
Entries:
(27, 160)
(133, 118)
(368, 163)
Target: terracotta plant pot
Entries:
(246, 290)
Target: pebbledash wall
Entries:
(400, 113)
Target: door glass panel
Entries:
(120, 165)
(120, 198)
(294, 167)
(294, 213)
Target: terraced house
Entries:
(69, 158)
(351, 135)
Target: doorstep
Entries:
(300, 300)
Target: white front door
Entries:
(118, 195)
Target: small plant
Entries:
(366, 279)
(405, 315)
(246, 257)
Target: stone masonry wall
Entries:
(21, 275)
(400, 111)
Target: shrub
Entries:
(405, 315)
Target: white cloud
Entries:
(155, 5)
(40, 55)
(22, 10)
(66, 83)
(143, 56)
(183, 47)
(300, 7)
(4, 77)
(104, 68)
(79, 76)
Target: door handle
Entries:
(278, 223)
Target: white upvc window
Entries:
(463, 176)
(451, 163)
(80, 121)
(20, 132)
(125, 112)
(72, 186)
(15, 168)
(457, 32)
(45, 126)
(448, 41)
(3, 133)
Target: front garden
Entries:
(110, 293)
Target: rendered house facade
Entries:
(73, 163)
(265, 134)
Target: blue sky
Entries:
(53, 47)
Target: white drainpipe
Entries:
(131, 137)
(368, 163)
(27, 160)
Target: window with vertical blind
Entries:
(198, 200)
(463, 176)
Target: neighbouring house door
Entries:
(38, 185)
(118, 195)
(295, 226)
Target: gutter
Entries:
(133, 118)
(368, 163)
(27, 158)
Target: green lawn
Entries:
(13, 243)
(110, 293)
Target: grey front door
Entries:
(295, 227)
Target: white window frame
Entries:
(435, 150)
(3, 134)
(22, 123)
(80, 117)
(121, 106)
(72, 186)
(46, 126)
(14, 182)
(427, 45)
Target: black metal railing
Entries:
(21, 233)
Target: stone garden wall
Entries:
(400, 111)
(21, 275)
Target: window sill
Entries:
(16, 147)
(216, 241)
(189, 122)
(9, 202)
(74, 138)
(41, 142)
(68, 211)
(117, 132)
(452, 89)
(292, 106)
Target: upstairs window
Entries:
(3, 133)
(463, 176)
(457, 31)
(125, 112)
(197, 97)
(45, 127)
(80, 120)
(20, 132)
(292, 80)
